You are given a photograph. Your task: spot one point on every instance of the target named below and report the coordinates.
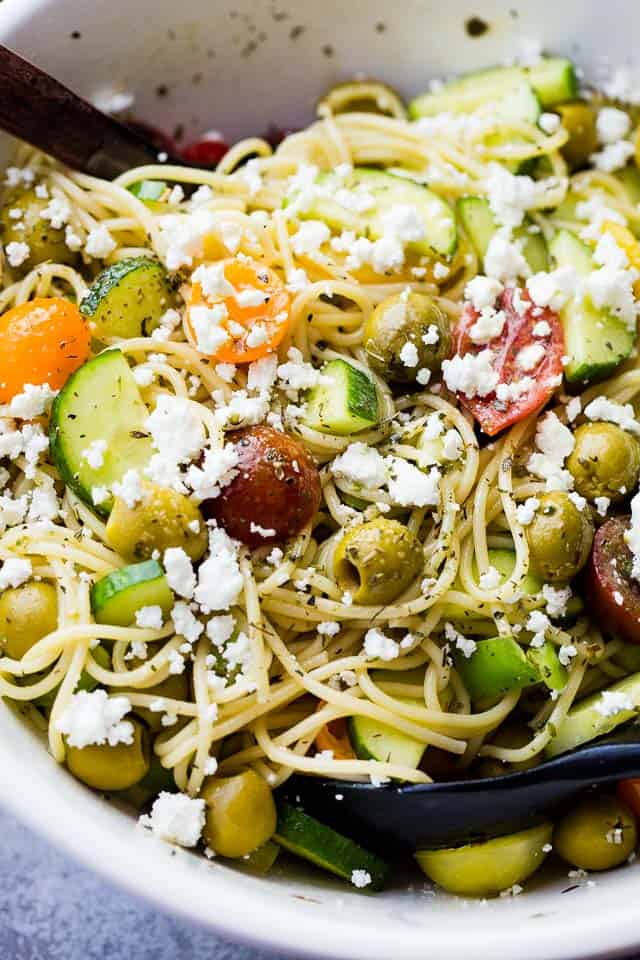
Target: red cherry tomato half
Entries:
(629, 792)
(208, 151)
(611, 593)
(493, 414)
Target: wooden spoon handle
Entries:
(37, 108)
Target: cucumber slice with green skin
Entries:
(488, 867)
(346, 404)
(497, 666)
(100, 401)
(596, 342)
(388, 191)
(372, 740)
(504, 562)
(150, 192)
(127, 299)
(545, 660)
(314, 841)
(553, 80)
(260, 862)
(478, 221)
(116, 597)
(585, 722)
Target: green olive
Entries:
(400, 320)
(579, 120)
(112, 768)
(376, 561)
(27, 614)
(487, 867)
(559, 537)
(605, 461)
(512, 736)
(45, 242)
(162, 519)
(240, 814)
(599, 833)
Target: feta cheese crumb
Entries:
(378, 646)
(176, 818)
(525, 512)
(360, 878)
(612, 125)
(466, 645)
(15, 572)
(96, 718)
(149, 617)
(17, 252)
(473, 374)
(613, 702)
(179, 572)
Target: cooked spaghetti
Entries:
(350, 639)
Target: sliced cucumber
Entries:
(373, 740)
(497, 666)
(504, 562)
(151, 193)
(116, 597)
(552, 80)
(596, 342)
(585, 722)
(308, 838)
(345, 403)
(478, 221)
(388, 191)
(488, 867)
(260, 862)
(100, 401)
(127, 299)
(545, 660)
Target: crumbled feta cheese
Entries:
(409, 354)
(566, 653)
(490, 579)
(410, 487)
(574, 407)
(99, 242)
(129, 489)
(613, 156)
(219, 578)
(296, 374)
(94, 454)
(504, 259)
(149, 617)
(207, 325)
(612, 125)
(378, 646)
(541, 329)
(311, 235)
(465, 645)
(613, 702)
(362, 465)
(601, 408)
(96, 718)
(176, 818)
(179, 572)
(602, 505)
(556, 599)
(185, 623)
(452, 445)
(525, 512)
(32, 402)
(472, 374)
(549, 123)
(57, 212)
(328, 628)
(552, 289)
(538, 623)
(555, 442)
(262, 374)
(488, 325)
(509, 392)
(431, 336)
(99, 495)
(530, 356)
(17, 252)
(360, 878)
(143, 375)
(483, 291)
(511, 196)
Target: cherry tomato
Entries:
(629, 792)
(276, 492)
(609, 590)
(41, 341)
(493, 414)
(208, 151)
(271, 317)
(334, 736)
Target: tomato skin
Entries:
(607, 574)
(268, 491)
(334, 736)
(492, 414)
(42, 341)
(206, 152)
(629, 792)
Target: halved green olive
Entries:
(605, 461)
(240, 813)
(162, 519)
(376, 561)
(579, 119)
(27, 614)
(22, 222)
(559, 537)
(112, 768)
(599, 833)
(406, 334)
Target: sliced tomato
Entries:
(611, 593)
(208, 151)
(493, 414)
(334, 736)
(629, 793)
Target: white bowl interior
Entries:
(237, 66)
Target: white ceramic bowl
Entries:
(239, 65)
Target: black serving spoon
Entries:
(39, 109)
(422, 816)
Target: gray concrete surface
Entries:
(52, 909)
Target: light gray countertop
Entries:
(53, 909)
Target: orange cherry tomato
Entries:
(254, 330)
(334, 736)
(629, 793)
(41, 341)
